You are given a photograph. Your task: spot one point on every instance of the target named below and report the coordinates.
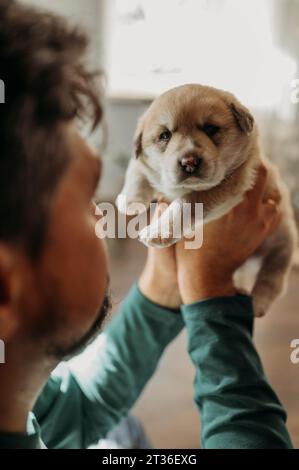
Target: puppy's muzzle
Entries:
(191, 164)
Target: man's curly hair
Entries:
(46, 84)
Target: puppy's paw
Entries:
(153, 237)
(128, 207)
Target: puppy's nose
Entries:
(191, 164)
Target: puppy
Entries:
(199, 144)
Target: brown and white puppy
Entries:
(200, 144)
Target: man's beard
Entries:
(67, 352)
(52, 333)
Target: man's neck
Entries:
(21, 383)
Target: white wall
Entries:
(121, 115)
(90, 14)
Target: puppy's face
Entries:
(192, 137)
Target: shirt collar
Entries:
(29, 440)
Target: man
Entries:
(53, 273)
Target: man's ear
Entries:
(138, 137)
(242, 116)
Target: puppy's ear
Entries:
(243, 117)
(137, 142)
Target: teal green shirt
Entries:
(85, 398)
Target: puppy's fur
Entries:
(213, 125)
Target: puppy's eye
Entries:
(210, 130)
(165, 136)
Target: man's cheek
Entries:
(98, 272)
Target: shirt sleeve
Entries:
(239, 409)
(86, 397)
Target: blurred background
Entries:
(249, 47)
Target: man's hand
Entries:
(158, 281)
(228, 242)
